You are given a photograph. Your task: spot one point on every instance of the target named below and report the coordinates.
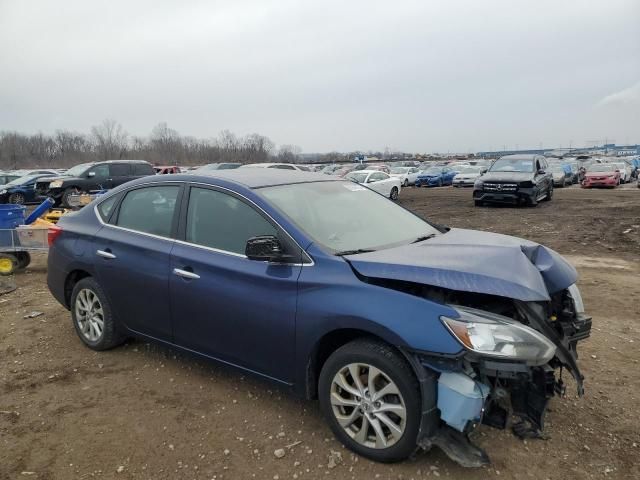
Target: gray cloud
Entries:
(410, 75)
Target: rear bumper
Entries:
(56, 276)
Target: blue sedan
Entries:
(408, 333)
(21, 191)
(436, 177)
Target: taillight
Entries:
(53, 233)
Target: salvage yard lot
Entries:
(143, 411)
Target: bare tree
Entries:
(110, 140)
(289, 153)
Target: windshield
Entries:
(357, 176)
(344, 216)
(20, 181)
(512, 165)
(399, 170)
(77, 170)
(433, 171)
(468, 170)
(601, 167)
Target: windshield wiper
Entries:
(423, 238)
(354, 252)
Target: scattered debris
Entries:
(335, 459)
(279, 453)
(33, 314)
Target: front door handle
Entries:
(105, 254)
(185, 274)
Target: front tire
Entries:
(406, 183)
(17, 198)
(394, 193)
(93, 317)
(371, 399)
(64, 201)
(549, 195)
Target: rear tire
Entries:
(549, 195)
(24, 259)
(93, 317)
(394, 194)
(387, 436)
(406, 183)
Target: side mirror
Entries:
(617, 171)
(91, 174)
(541, 171)
(265, 248)
(370, 180)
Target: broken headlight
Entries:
(496, 336)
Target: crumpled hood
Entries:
(473, 261)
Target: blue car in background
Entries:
(21, 191)
(408, 333)
(436, 177)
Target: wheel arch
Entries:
(70, 282)
(329, 343)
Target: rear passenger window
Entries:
(120, 169)
(149, 209)
(221, 221)
(142, 169)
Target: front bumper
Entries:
(427, 182)
(519, 196)
(498, 389)
(463, 183)
(608, 182)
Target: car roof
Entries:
(251, 177)
(522, 156)
(366, 171)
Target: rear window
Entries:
(142, 169)
(106, 207)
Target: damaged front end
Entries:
(513, 362)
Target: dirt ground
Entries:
(142, 411)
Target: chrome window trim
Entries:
(204, 247)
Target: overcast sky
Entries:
(329, 75)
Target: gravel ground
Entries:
(147, 412)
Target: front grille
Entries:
(500, 187)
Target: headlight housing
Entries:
(493, 335)
(2, 192)
(55, 184)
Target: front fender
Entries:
(331, 297)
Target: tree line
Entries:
(164, 146)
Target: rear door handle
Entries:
(104, 254)
(185, 274)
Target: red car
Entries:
(166, 170)
(601, 175)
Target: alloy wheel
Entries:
(89, 315)
(368, 405)
(16, 198)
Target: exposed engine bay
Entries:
(511, 393)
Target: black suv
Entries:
(91, 176)
(515, 179)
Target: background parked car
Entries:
(625, 171)
(21, 190)
(92, 176)
(7, 177)
(561, 177)
(377, 181)
(282, 166)
(467, 176)
(407, 175)
(515, 179)
(216, 166)
(436, 177)
(601, 175)
(166, 170)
